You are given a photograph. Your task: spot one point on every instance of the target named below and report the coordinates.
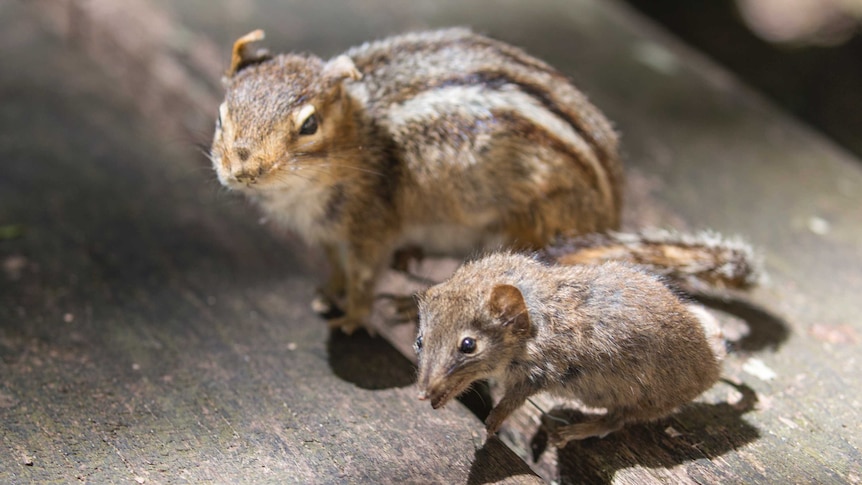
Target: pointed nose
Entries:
(422, 384)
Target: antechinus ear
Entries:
(241, 56)
(508, 307)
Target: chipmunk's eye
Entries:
(418, 343)
(309, 126)
(468, 345)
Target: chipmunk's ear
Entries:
(508, 306)
(242, 56)
(339, 69)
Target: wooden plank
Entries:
(151, 332)
(169, 73)
(702, 151)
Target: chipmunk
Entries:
(446, 140)
(611, 335)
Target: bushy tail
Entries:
(699, 261)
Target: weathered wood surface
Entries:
(151, 329)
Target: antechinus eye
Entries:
(418, 343)
(468, 345)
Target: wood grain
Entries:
(151, 330)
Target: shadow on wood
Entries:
(698, 431)
(478, 400)
(492, 463)
(765, 330)
(369, 362)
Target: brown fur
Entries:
(610, 335)
(446, 140)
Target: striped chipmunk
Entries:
(447, 141)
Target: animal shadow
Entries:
(495, 462)
(765, 330)
(368, 362)
(698, 431)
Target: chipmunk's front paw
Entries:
(325, 306)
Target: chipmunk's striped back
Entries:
(463, 92)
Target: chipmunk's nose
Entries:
(243, 167)
(247, 172)
(244, 177)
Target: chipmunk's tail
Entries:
(699, 262)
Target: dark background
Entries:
(820, 84)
